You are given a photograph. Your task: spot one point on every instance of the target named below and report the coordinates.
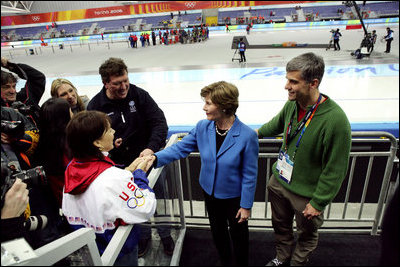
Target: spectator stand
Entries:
(113, 28)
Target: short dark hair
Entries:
(112, 67)
(7, 77)
(84, 128)
(224, 95)
(310, 66)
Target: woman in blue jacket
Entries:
(229, 158)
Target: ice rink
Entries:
(367, 89)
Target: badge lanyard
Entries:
(302, 126)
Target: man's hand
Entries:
(146, 152)
(310, 212)
(117, 142)
(16, 200)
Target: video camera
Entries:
(365, 47)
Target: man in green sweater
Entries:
(312, 162)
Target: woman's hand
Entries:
(143, 163)
(243, 215)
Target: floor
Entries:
(332, 250)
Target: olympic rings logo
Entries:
(137, 201)
(35, 18)
(134, 202)
(190, 4)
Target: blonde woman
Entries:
(63, 88)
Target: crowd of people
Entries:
(172, 36)
(96, 155)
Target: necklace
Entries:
(226, 132)
(221, 134)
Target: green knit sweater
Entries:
(321, 161)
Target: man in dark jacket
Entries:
(153, 37)
(242, 50)
(28, 98)
(389, 39)
(336, 38)
(135, 116)
(140, 127)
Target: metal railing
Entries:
(345, 215)
(67, 47)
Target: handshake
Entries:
(144, 163)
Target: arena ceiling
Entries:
(15, 7)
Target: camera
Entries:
(22, 108)
(13, 129)
(32, 177)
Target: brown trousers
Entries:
(285, 205)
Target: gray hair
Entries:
(310, 66)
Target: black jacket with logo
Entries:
(33, 91)
(137, 119)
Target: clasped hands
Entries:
(143, 162)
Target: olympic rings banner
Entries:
(138, 9)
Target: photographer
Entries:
(12, 213)
(14, 143)
(16, 219)
(27, 99)
(18, 134)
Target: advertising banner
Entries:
(137, 9)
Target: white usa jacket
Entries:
(101, 196)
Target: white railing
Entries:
(64, 246)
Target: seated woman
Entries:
(63, 88)
(98, 194)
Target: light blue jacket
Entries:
(229, 174)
